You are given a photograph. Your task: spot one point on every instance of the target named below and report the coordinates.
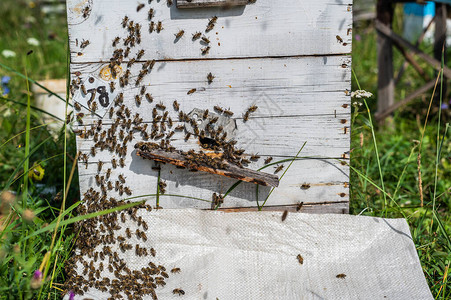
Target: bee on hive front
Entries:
(178, 292)
(196, 36)
(179, 34)
(210, 78)
(159, 26)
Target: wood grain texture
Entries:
(303, 182)
(266, 28)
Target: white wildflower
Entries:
(8, 53)
(33, 42)
(361, 94)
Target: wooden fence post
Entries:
(386, 83)
(440, 39)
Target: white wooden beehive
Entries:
(290, 58)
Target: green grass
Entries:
(384, 160)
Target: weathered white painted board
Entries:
(266, 28)
(301, 86)
(142, 180)
(324, 135)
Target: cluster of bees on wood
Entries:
(100, 245)
(102, 232)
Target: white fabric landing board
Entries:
(252, 255)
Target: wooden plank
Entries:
(303, 182)
(278, 86)
(311, 208)
(326, 136)
(289, 28)
(385, 80)
(209, 3)
(228, 170)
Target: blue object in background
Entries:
(417, 17)
(4, 85)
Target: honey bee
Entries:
(80, 118)
(205, 50)
(153, 252)
(122, 162)
(85, 12)
(150, 14)
(187, 136)
(140, 54)
(305, 186)
(149, 97)
(180, 127)
(205, 40)
(213, 120)
(93, 151)
(179, 34)
(131, 62)
(299, 206)
(278, 169)
(143, 236)
(84, 44)
(339, 39)
(252, 108)
(77, 106)
(255, 157)
(205, 114)
(99, 166)
(228, 112)
(213, 20)
(170, 134)
(159, 26)
(124, 21)
(169, 2)
(178, 292)
(108, 173)
(121, 81)
(112, 87)
(196, 36)
(284, 215)
(176, 105)
(191, 91)
(268, 160)
(342, 276)
(160, 106)
(138, 99)
(210, 78)
(116, 40)
(175, 270)
(114, 163)
(139, 7)
(300, 259)
(246, 116)
(121, 178)
(127, 52)
(94, 107)
(128, 233)
(218, 109)
(83, 89)
(151, 26)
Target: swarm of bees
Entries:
(96, 254)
